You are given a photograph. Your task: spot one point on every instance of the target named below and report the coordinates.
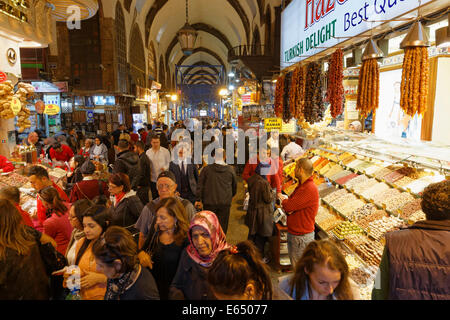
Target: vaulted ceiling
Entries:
(221, 25)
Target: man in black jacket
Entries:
(142, 180)
(217, 185)
(127, 162)
(116, 133)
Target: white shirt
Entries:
(160, 161)
(291, 151)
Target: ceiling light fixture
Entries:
(372, 51)
(187, 36)
(416, 37)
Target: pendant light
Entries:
(416, 37)
(187, 36)
(443, 35)
(372, 51)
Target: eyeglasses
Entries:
(163, 186)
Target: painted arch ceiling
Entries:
(221, 25)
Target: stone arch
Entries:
(152, 67)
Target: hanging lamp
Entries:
(416, 37)
(443, 35)
(372, 51)
(187, 36)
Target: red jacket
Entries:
(42, 211)
(89, 189)
(25, 216)
(5, 164)
(65, 155)
(60, 229)
(275, 180)
(303, 205)
(144, 136)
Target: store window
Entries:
(121, 49)
(432, 28)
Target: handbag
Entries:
(52, 259)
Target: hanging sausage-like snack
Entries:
(368, 87)
(314, 107)
(335, 92)
(415, 77)
(279, 96)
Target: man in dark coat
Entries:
(185, 172)
(416, 262)
(142, 181)
(116, 133)
(127, 161)
(217, 185)
(260, 211)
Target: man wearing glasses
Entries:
(167, 188)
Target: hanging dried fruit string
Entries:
(300, 94)
(279, 96)
(368, 87)
(293, 92)
(314, 107)
(415, 77)
(335, 92)
(286, 114)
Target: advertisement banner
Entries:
(271, 124)
(311, 26)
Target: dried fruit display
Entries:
(314, 107)
(415, 76)
(287, 115)
(368, 87)
(335, 92)
(7, 95)
(279, 96)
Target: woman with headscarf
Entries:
(260, 210)
(100, 151)
(206, 240)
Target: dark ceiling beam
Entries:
(203, 64)
(203, 73)
(200, 27)
(205, 50)
(241, 12)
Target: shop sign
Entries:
(16, 106)
(3, 77)
(271, 124)
(52, 109)
(50, 87)
(11, 56)
(156, 85)
(311, 26)
(90, 116)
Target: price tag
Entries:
(3, 77)
(16, 106)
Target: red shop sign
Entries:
(3, 77)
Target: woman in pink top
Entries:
(57, 224)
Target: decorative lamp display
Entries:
(416, 37)
(187, 36)
(372, 51)
(61, 9)
(443, 35)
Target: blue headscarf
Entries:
(262, 169)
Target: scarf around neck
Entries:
(117, 287)
(209, 222)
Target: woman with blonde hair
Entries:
(320, 274)
(22, 272)
(167, 239)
